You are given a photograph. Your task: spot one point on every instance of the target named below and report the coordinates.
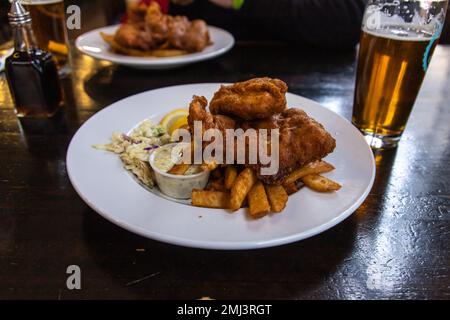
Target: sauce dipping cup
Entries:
(177, 186)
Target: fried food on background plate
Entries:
(149, 32)
(120, 49)
(131, 37)
(194, 39)
(257, 98)
(136, 12)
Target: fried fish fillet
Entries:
(257, 98)
(198, 112)
(302, 140)
(261, 104)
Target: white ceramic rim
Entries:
(226, 245)
(156, 61)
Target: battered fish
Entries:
(302, 141)
(257, 98)
(198, 112)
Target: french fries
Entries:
(216, 174)
(217, 185)
(230, 176)
(118, 48)
(242, 186)
(209, 166)
(229, 190)
(179, 169)
(164, 53)
(278, 197)
(320, 183)
(312, 168)
(258, 203)
(210, 199)
(291, 188)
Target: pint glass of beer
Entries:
(49, 26)
(397, 42)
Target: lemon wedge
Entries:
(175, 120)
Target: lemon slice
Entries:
(175, 120)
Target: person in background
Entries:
(5, 30)
(315, 23)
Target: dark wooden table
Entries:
(396, 245)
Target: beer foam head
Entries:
(403, 32)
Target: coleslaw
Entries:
(135, 148)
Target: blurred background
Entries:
(114, 10)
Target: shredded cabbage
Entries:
(134, 149)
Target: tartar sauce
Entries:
(163, 159)
(176, 186)
(168, 156)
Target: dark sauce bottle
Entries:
(31, 72)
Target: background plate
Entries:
(92, 44)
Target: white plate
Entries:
(3, 58)
(92, 44)
(106, 187)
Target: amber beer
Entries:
(389, 75)
(49, 27)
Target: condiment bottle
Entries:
(31, 72)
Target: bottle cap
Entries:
(17, 14)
